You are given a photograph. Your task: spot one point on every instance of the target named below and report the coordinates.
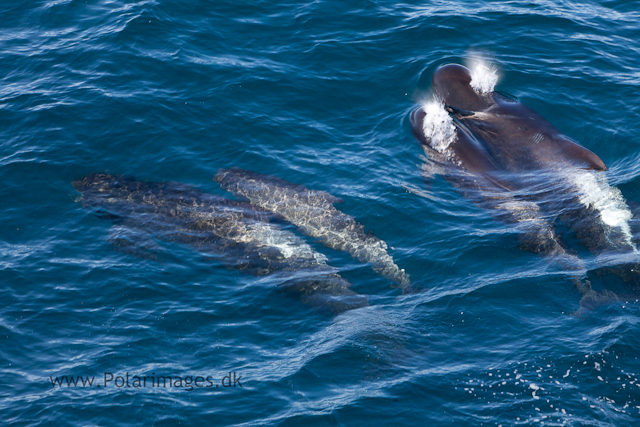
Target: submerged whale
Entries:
(506, 157)
(239, 235)
(313, 213)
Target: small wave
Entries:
(622, 171)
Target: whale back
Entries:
(498, 134)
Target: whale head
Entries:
(452, 85)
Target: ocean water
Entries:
(317, 93)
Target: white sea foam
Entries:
(438, 126)
(484, 74)
(286, 242)
(596, 192)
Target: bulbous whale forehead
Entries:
(452, 84)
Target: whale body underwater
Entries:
(252, 237)
(507, 158)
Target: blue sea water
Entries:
(317, 93)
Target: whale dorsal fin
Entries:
(579, 155)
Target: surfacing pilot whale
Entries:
(239, 235)
(506, 157)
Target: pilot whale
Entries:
(506, 157)
(239, 235)
(313, 213)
